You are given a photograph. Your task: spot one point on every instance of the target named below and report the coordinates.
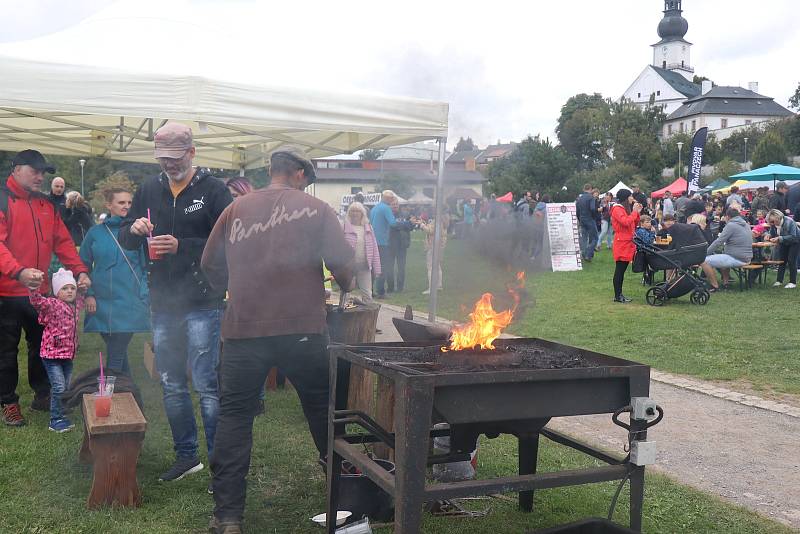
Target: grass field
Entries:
(748, 338)
(43, 488)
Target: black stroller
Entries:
(687, 249)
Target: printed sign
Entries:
(562, 228)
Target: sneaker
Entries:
(211, 487)
(790, 286)
(426, 292)
(61, 425)
(224, 527)
(12, 415)
(41, 403)
(777, 284)
(622, 299)
(181, 468)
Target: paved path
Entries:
(743, 448)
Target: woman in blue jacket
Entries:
(117, 305)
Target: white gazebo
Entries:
(67, 108)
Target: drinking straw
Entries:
(102, 377)
(151, 222)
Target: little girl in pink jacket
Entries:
(59, 316)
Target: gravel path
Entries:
(731, 448)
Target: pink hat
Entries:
(173, 140)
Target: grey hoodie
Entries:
(737, 239)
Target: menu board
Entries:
(562, 227)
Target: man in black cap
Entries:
(31, 231)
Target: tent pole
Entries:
(437, 234)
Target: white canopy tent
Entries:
(100, 112)
(620, 185)
(91, 111)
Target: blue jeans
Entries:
(588, 237)
(188, 340)
(59, 372)
(117, 351)
(607, 233)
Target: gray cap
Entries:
(297, 155)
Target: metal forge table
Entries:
(491, 402)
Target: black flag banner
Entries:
(696, 159)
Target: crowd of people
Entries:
(730, 222)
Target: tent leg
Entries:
(437, 234)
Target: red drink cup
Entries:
(153, 254)
(102, 405)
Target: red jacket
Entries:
(31, 230)
(624, 224)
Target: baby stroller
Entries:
(688, 248)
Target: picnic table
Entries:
(112, 445)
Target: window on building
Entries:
(694, 125)
(724, 123)
(638, 95)
(354, 190)
(748, 122)
(658, 93)
(681, 128)
(669, 129)
(682, 63)
(663, 64)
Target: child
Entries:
(646, 235)
(59, 317)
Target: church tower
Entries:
(672, 51)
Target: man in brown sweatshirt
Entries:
(268, 248)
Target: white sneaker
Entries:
(790, 286)
(777, 284)
(426, 292)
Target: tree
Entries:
(634, 132)
(535, 165)
(576, 103)
(370, 154)
(465, 145)
(698, 80)
(604, 178)
(585, 136)
(725, 169)
(733, 146)
(794, 100)
(771, 149)
(399, 184)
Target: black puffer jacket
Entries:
(176, 281)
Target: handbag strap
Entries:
(124, 256)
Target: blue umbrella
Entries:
(774, 172)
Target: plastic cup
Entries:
(102, 405)
(152, 253)
(109, 383)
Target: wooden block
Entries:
(384, 415)
(125, 416)
(361, 395)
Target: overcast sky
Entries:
(505, 67)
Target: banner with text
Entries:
(562, 228)
(696, 159)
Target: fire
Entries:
(485, 324)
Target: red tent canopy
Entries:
(508, 197)
(678, 187)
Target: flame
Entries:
(485, 324)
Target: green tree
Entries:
(370, 154)
(700, 79)
(789, 130)
(724, 169)
(634, 132)
(771, 149)
(733, 145)
(604, 178)
(535, 165)
(585, 136)
(399, 184)
(465, 145)
(794, 100)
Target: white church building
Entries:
(669, 82)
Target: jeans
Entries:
(588, 237)
(181, 340)
(117, 351)
(788, 253)
(607, 233)
(16, 314)
(387, 271)
(59, 372)
(245, 364)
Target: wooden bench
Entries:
(112, 445)
(746, 273)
